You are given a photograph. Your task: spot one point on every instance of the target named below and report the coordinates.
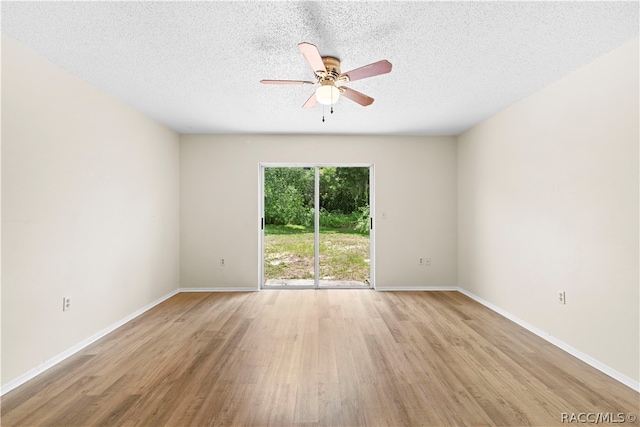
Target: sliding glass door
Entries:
(315, 226)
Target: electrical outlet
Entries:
(222, 262)
(421, 262)
(66, 304)
(424, 262)
(562, 297)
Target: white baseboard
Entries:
(416, 288)
(81, 345)
(629, 382)
(240, 289)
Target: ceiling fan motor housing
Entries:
(333, 69)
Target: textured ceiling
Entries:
(196, 66)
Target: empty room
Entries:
(320, 213)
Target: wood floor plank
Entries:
(317, 358)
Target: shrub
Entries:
(363, 220)
(336, 219)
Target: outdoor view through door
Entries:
(316, 227)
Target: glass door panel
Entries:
(344, 219)
(289, 238)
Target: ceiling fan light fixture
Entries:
(327, 94)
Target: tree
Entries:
(288, 196)
(344, 189)
(289, 193)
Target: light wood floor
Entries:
(317, 357)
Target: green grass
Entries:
(344, 254)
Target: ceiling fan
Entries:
(331, 80)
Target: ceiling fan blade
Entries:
(356, 96)
(375, 69)
(311, 102)
(286, 82)
(312, 55)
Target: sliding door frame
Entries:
(315, 167)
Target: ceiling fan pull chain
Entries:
(322, 113)
(332, 101)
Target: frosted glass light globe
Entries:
(327, 94)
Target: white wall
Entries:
(90, 210)
(415, 186)
(548, 200)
